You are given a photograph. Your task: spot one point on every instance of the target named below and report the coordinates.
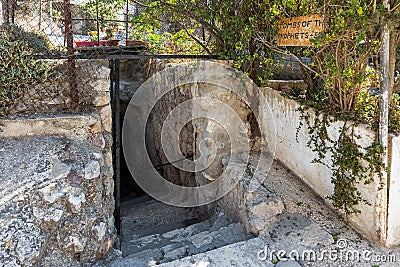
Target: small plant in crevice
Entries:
(350, 163)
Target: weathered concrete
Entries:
(56, 177)
(65, 125)
(288, 87)
(163, 244)
(295, 154)
(238, 254)
(48, 205)
(393, 234)
(308, 228)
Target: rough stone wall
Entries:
(56, 185)
(133, 74)
(248, 202)
(52, 97)
(215, 130)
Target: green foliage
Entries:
(339, 57)
(367, 107)
(225, 28)
(108, 10)
(350, 163)
(394, 120)
(19, 71)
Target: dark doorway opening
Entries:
(136, 213)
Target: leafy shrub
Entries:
(394, 121)
(19, 71)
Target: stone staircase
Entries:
(155, 234)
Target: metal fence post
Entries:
(73, 87)
(116, 125)
(384, 123)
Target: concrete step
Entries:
(209, 240)
(146, 217)
(163, 238)
(181, 243)
(128, 204)
(242, 253)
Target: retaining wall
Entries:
(379, 222)
(56, 185)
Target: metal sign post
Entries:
(384, 122)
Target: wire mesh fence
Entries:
(89, 23)
(51, 51)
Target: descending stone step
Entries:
(238, 254)
(209, 240)
(145, 218)
(127, 205)
(160, 240)
(180, 243)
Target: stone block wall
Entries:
(56, 184)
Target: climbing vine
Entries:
(350, 163)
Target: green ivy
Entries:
(19, 71)
(350, 163)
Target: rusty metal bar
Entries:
(12, 10)
(120, 54)
(6, 11)
(73, 87)
(97, 23)
(51, 16)
(126, 22)
(116, 132)
(40, 14)
(100, 19)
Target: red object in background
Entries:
(89, 43)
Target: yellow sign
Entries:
(298, 31)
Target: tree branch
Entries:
(196, 40)
(285, 52)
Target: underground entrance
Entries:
(152, 230)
